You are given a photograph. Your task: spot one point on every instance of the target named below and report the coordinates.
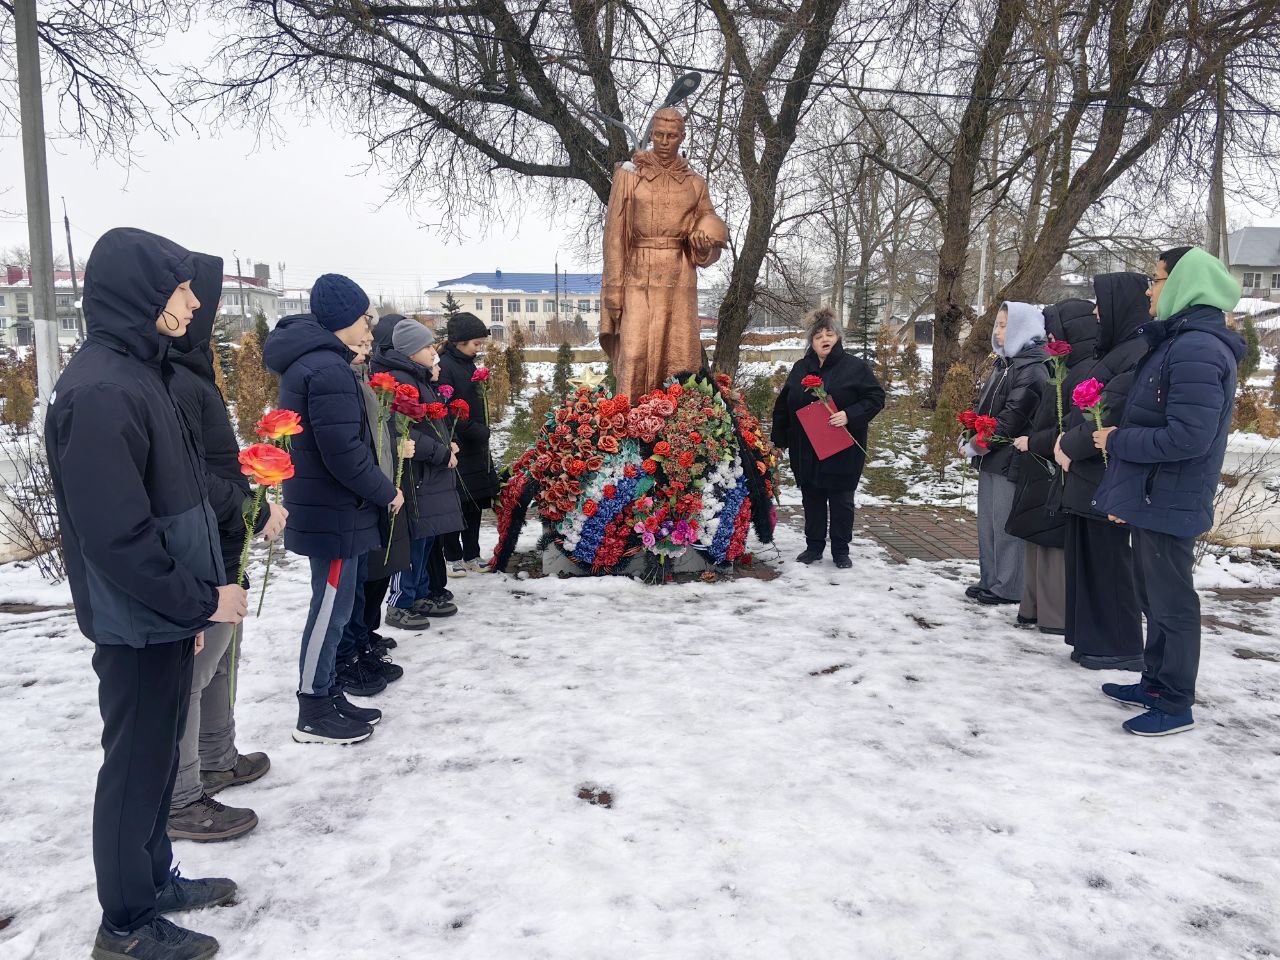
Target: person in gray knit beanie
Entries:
(410, 336)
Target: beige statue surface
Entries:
(659, 229)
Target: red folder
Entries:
(826, 439)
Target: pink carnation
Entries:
(1087, 394)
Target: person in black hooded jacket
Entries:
(827, 487)
(1103, 619)
(478, 481)
(1037, 516)
(141, 546)
(208, 758)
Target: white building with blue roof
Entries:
(543, 305)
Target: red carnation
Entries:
(412, 409)
(460, 408)
(967, 419)
(437, 411)
(384, 381)
(985, 426)
(630, 472)
(610, 491)
(695, 437)
(406, 391)
(686, 459)
(590, 507)
(662, 449)
(650, 467)
(577, 468)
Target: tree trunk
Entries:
(951, 309)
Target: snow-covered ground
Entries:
(832, 764)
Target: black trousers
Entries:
(375, 594)
(819, 505)
(143, 696)
(465, 544)
(1103, 617)
(1167, 592)
(437, 574)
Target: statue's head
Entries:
(667, 133)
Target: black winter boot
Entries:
(320, 722)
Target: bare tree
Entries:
(1061, 106)
(474, 102)
(94, 55)
(20, 256)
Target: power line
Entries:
(578, 57)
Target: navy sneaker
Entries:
(180, 893)
(1157, 723)
(351, 712)
(158, 940)
(1130, 694)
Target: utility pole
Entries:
(244, 320)
(1215, 233)
(39, 221)
(75, 283)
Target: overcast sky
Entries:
(306, 203)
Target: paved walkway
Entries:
(920, 533)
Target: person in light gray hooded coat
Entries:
(1011, 394)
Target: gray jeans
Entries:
(209, 740)
(1000, 555)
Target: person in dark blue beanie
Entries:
(338, 498)
(337, 302)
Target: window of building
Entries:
(566, 306)
(4, 323)
(66, 300)
(1275, 281)
(67, 323)
(597, 309)
(21, 301)
(530, 306)
(533, 326)
(495, 311)
(1253, 279)
(1, 299)
(513, 306)
(584, 306)
(479, 303)
(548, 306)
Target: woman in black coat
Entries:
(477, 478)
(1103, 620)
(827, 487)
(1037, 516)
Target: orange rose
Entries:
(608, 444)
(278, 424)
(595, 463)
(266, 464)
(589, 508)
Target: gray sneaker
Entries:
(438, 607)
(407, 619)
(207, 820)
(248, 768)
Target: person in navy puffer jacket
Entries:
(338, 498)
(1165, 462)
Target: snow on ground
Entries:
(834, 764)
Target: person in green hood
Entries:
(1164, 464)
